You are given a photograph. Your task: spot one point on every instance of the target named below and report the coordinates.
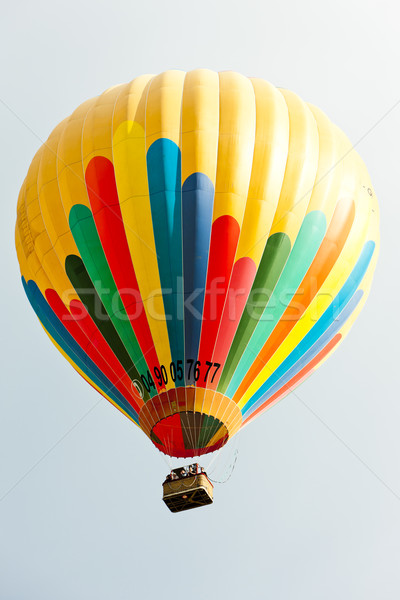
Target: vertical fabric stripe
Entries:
(197, 206)
(164, 174)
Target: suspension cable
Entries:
(230, 469)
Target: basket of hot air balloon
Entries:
(196, 245)
(187, 487)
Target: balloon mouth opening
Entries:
(189, 434)
(190, 421)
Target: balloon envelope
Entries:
(196, 245)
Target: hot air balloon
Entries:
(196, 245)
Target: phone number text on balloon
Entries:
(195, 371)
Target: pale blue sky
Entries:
(301, 517)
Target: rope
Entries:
(214, 458)
(231, 467)
(166, 460)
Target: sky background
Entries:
(312, 509)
